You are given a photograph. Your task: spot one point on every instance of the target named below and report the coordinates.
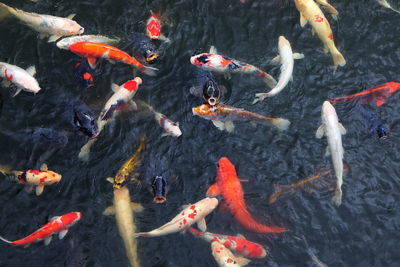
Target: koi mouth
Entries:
(212, 101)
(159, 199)
(151, 57)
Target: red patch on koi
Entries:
(261, 74)
(9, 78)
(43, 179)
(229, 260)
(318, 18)
(183, 213)
(330, 36)
(192, 207)
(192, 216)
(225, 62)
(184, 221)
(154, 27)
(34, 172)
(214, 239)
(227, 244)
(88, 76)
(131, 86)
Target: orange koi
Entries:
(378, 94)
(228, 185)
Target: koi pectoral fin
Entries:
(136, 207)
(39, 189)
(47, 240)
(62, 234)
(213, 191)
(320, 131)
(202, 225)
(109, 211)
(242, 261)
(92, 62)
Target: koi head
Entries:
(151, 56)
(70, 219)
(211, 92)
(382, 131)
(283, 41)
(132, 85)
(328, 110)
(208, 204)
(85, 123)
(159, 189)
(73, 28)
(205, 111)
(225, 167)
(50, 177)
(119, 181)
(200, 59)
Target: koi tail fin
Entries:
(5, 240)
(5, 169)
(143, 234)
(260, 97)
(281, 124)
(269, 80)
(334, 13)
(149, 70)
(279, 191)
(337, 198)
(338, 59)
(6, 11)
(85, 150)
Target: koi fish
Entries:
(121, 178)
(190, 215)
(123, 208)
(158, 176)
(224, 256)
(228, 185)
(22, 79)
(310, 12)
(379, 94)
(385, 3)
(237, 244)
(58, 224)
(92, 51)
(286, 58)
(85, 122)
(223, 115)
(40, 178)
(143, 48)
(374, 124)
(333, 129)
(65, 43)
(207, 88)
(171, 128)
(153, 28)
(316, 182)
(84, 74)
(218, 63)
(122, 96)
(46, 25)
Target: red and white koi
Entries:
(93, 51)
(65, 43)
(237, 244)
(153, 27)
(171, 128)
(224, 256)
(213, 62)
(40, 178)
(122, 96)
(58, 224)
(22, 79)
(190, 215)
(46, 25)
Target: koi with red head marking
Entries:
(93, 51)
(237, 244)
(22, 79)
(153, 27)
(378, 94)
(224, 256)
(59, 224)
(228, 185)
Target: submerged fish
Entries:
(237, 244)
(373, 122)
(158, 177)
(218, 63)
(123, 208)
(228, 185)
(58, 224)
(93, 51)
(65, 43)
(318, 181)
(378, 94)
(22, 79)
(207, 88)
(224, 256)
(84, 73)
(46, 25)
(385, 3)
(310, 12)
(192, 214)
(143, 48)
(286, 58)
(333, 129)
(39, 178)
(153, 27)
(223, 115)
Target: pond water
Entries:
(363, 231)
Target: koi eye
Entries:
(81, 29)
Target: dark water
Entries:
(364, 231)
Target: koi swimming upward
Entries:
(286, 58)
(378, 94)
(222, 116)
(228, 185)
(218, 63)
(58, 224)
(153, 28)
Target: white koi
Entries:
(22, 79)
(190, 215)
(333, 129)
(225, 258)
(66, 42)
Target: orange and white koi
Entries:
(228, 185)
(93, 51)
(22, 79)
(222, 117)
(223, 64)
(58, 224)
(122, 96)
(310, 12)
(237, 244)
(40, 178)
(153, 27)
(46, 25)
(224, 256)
(190, 215)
